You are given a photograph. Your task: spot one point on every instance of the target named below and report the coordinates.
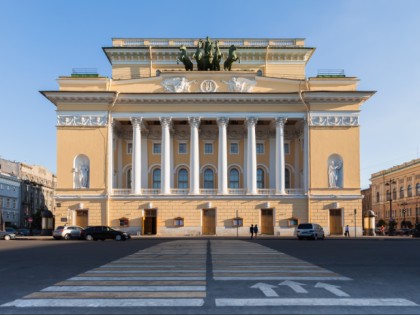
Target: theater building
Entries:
(160, 150)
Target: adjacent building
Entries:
(25, 191)
(396, 194)
(160, 150)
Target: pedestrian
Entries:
(255, 230)
(382, 230)
(251, 230)
(347, 232)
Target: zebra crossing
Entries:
(239, 260)
(165, 275)
(205, 274)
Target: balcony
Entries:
(206, 192)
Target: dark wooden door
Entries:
(267, 226)
(209, 221)
(336, 227)
(150, 222)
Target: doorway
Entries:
(82, 218)
(150, 220)
(336, 226)
(209, 222)
(267, 226)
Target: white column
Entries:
(194, 157)
(136, 153)
(306, 155)
(110, 156)
(120, 155)
(280, 164)
(222, 160)
(252, 156)
(165, 156)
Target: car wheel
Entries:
(299, 238)
(89, 237)
(7, 237)
(67, 237)
(118, 237)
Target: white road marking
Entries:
(121, 288)
(266, 289)
(299, 278)
(314, 302)
(334, 289)
(271, 271)
(138, 278)
(105, 303)
(295, 286)
(143, 271)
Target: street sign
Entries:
(30, 219)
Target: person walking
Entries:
(347, 232)
(255, 230)
(251, 230)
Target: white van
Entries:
(310, 230)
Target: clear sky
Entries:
(377, 41)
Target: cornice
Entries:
(100, 98)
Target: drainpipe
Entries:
(266, 58)
(307, 144)
(108, 143)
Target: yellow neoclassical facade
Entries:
(157, 149)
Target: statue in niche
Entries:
(334, 168)
(83, 173)
(218, 55)
(183, 57)
(231, 58)
(198, 56)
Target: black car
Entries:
(101, 232)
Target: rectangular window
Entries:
(156, 148)
(7, 203)
(129, 148)
(182, 148)
(260, 148)
(14, 204)
(234, 148)
(286, 148)
(208, 148)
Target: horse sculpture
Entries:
(198, 56)
(217, 57)
(208, 54)
(183, 57)
(231, 58)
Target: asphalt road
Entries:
(211, 276)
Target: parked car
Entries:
(405, 231)
(102, 233)
(23, 232)
(67, 232)
(5, 235)
(11, 230)
(310, 231)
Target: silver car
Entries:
(310, 230)
(67, 232)
(5, 235)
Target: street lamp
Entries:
(404, 210)
(417, 212)
(390, 183)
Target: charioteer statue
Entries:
(208, 56)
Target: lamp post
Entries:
(404, 210)
(390, 183)
(355, 212)
(417, 212)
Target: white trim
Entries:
(212, 147)
(153, 166)
(241, 171)
(230, 142)
(208, 165)
(210, 115)
(184, 165)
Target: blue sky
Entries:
(375, 40)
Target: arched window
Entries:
(183, 178)
(234, 178)
(260, 178)
(156, 178)
(287, 178)
(208, 178)
(401, 192)
(418, 189)
(129, 178)
(394, 194)
(377, 196)
(409, 191)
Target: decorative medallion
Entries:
(208, 86)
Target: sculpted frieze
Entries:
(177, 84)
(82, 120)
(235, 132)
(335, 120)
(208, 132)
(242, 85)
